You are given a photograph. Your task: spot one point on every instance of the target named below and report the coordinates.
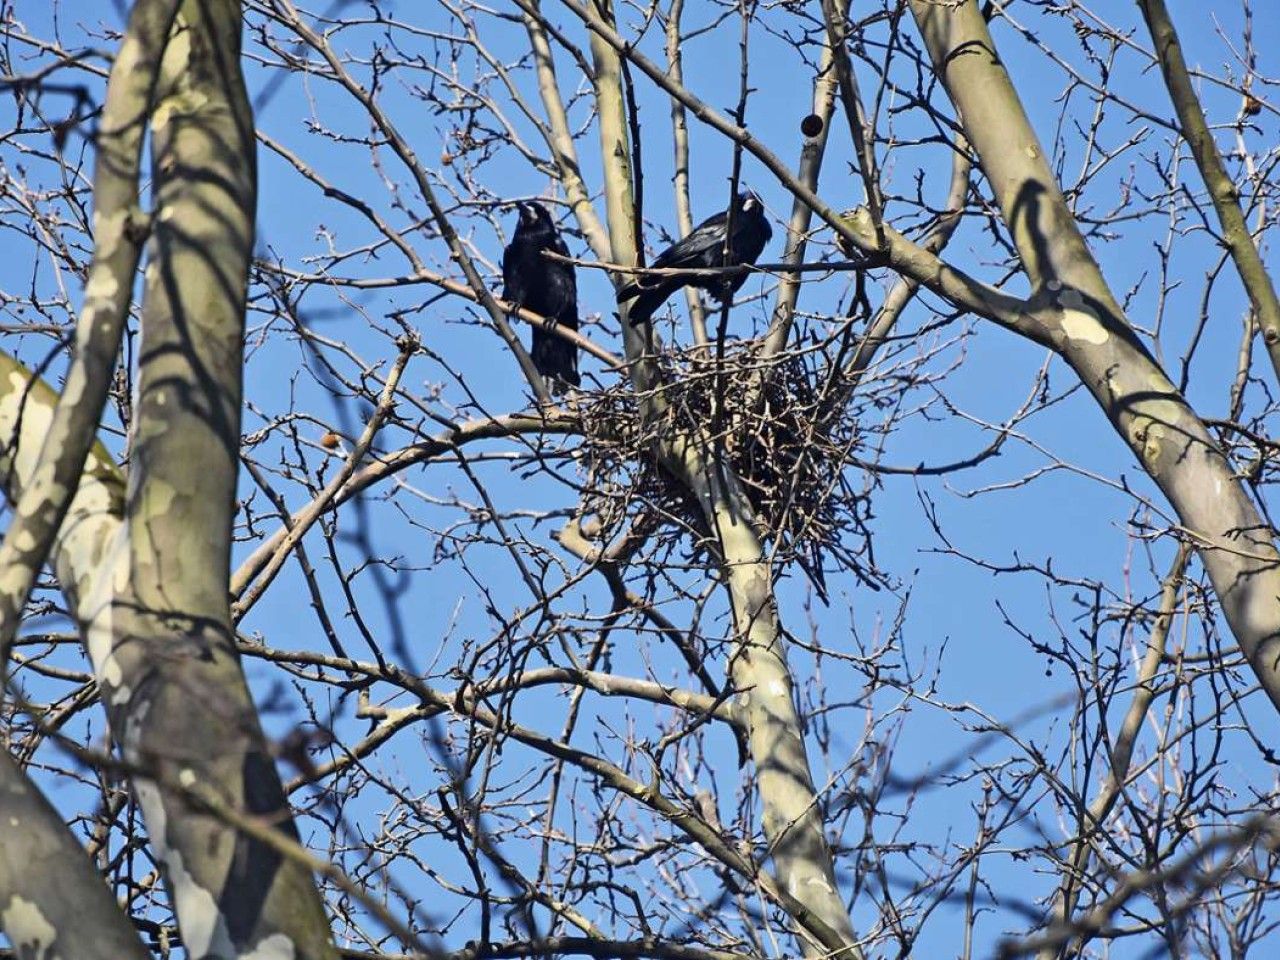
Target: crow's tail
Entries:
(556, 359)
(647, 300)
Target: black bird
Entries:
(544, 286)
(704, 248)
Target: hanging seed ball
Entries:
(1252, 105)
(811, 125)
(330, 441)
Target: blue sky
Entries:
(1077, 516)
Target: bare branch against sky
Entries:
(902, 585)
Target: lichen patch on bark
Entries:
(275, 947)
(1079, 321)
(31, 934)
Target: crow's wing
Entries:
(703, 247)
(561, 285)
(750, 236)
(513, 275)
(704, 241)
(549, 288)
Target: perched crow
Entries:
(703, 248)
(544, 286)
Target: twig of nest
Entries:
(784, 427)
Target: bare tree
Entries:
(833, 623)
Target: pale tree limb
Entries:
(446, 443)
(561, 139)
(89, 555)
(860, 129)
(1121, 748)
(170, 698)
(52, 900)
(1222, 189)
(680, 145)
(792, 815)
(620, 212)
(97, 508)
(811, 155)
(120, 226)
(1029, 318)
(298, 526)
(1093, 335)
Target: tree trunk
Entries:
(147, 575)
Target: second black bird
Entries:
(704, 248)
(544, 286)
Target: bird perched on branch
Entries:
(544, 286)
(704, 248)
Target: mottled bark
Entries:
(90, 556)
(160, 635)
(81, 550)
(53, 903)
(49, 892)
(147, 573)
(1088, 328)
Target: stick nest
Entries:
(786, 430)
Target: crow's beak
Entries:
(526, 212)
